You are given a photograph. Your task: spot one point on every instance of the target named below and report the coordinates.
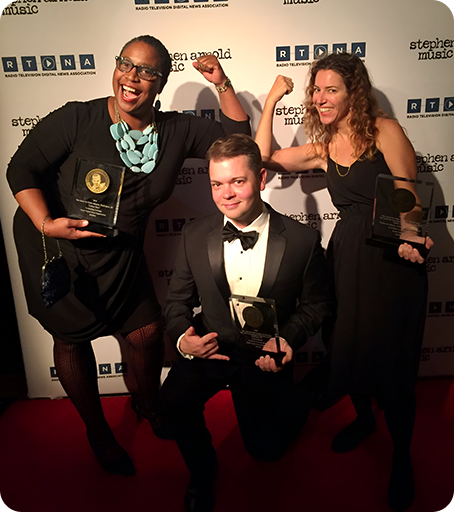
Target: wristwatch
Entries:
(225, 86)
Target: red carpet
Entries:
(47, 465)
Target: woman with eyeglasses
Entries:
(111, 288)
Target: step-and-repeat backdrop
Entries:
(54, 51)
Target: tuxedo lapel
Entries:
(274, 253)
(216, 257)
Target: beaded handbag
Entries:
(55, 276)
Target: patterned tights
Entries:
(75, 364)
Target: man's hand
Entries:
(211, 69)
(267, 363)
(205, 348)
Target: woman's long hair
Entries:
(364, 107)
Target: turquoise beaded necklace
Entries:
(138, 150)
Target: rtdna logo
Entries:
(304, 53)
(29, 64)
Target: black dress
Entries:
(111, 286)
(381, 298)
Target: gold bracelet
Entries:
(44, 221)
(225, 86)
(43, 237)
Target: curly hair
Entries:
(164, 56)
(364, 107)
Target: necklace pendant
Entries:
(117, 131)
(148, 167)
(135, 134)
(335, 161)
(138, 150)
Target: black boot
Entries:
(401, 489)
(199, 495)
(400, 418)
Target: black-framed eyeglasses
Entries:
(143, 72)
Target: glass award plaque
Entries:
(95, 195)
(401, 211)
(256, 320)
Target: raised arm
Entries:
(282, 85)
(212, 71)
(289, 159)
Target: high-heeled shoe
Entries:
(149, 414)
(141, 410)
(111, 456)
(352, 435)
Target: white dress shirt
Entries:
(244, 269)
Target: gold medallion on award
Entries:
(97, 181)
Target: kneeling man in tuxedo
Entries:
(282, 260)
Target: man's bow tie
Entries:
(247, 239)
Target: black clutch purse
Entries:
(55, 276)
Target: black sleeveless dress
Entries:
(381, 298)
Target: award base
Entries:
(401, 212)
(98, 228)
(393, 242)
(251, 355)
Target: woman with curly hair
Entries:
(381, 292)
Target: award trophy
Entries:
(401, 211)
(256, 320)
(96, 195)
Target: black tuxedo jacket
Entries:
(295, 276)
